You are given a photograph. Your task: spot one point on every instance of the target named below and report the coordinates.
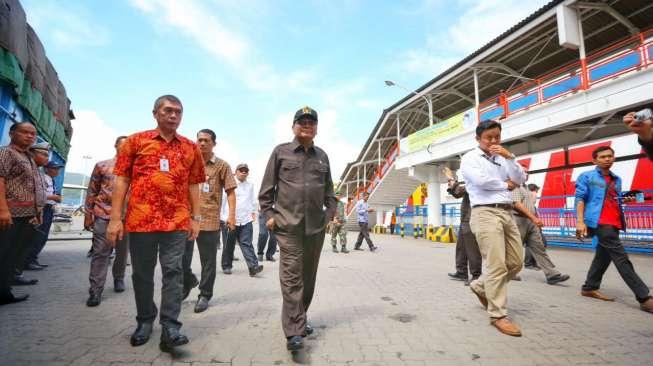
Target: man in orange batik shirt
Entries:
(162, 170)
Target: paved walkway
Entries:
(394, 307)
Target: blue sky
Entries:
(242, 68)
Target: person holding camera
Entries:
(640, 124)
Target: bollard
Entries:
(415, 231)
(401, 229)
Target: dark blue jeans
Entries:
(263, 235)
(144, 248)
(243, 234)
(610, 249)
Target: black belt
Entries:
(505, 206)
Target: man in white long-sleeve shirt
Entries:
(491, 173)
(244, 232)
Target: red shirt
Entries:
(160, 174)
(610, 213)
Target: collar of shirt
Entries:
(295, 145)
(213, 159)
(156, 133)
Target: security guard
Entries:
(295, 189)
(338, 227)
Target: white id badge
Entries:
(206, 188)
(164, 165)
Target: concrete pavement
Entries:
(393, 307)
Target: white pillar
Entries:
(433, 199)
(379, 217)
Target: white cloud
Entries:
(201, 24)
(68, 27)
(479, 23)
(88, 128)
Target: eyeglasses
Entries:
(244, 171)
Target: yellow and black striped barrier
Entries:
(401, 229)
(445, 234)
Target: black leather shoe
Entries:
(94, 299)
(358, 248)
(226, 271)
(192, 282)
(141, 335)
(118, 285)
(334, 249)
(308, 329)
(11, 298)
(255, 270)
(171, 338)
(295, 343)
(33, 267)
(22, 281)
(557, 279)
(344, 250)
(457, 276)
(374, 248)
(202, 304)
(271, 259)
(40, 264)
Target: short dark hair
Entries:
(533, 187)
(14, 126)
(596, 151)
(118, 139)
(485, 125)
(208, 132)
(168, 97)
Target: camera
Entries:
(644, 115)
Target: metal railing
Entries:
(625, 56)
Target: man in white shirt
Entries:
(491, 173)
(244, 232)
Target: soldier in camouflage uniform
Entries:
(337, 227)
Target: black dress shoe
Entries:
(557, 279)
(374, 248)
(22, 281)
(171, 338)
(94, 299)
(33, 267)
(40, 264)
(457, 276)
(192, 282)
(308, 329)
(226, 271)
(271, 259)
(202, 304)
(255, 270)
(118, 285)
(141, 335)
(295, 343)
(11, 298)
(358, 248)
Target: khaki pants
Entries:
(501, 247)
(532, 238)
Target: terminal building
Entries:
(559, 82)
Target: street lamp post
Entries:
(429, 103)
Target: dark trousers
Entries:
(100, 258)
(363, 233)
(207, 245)
(12, 241)
(392, 229)
(263, 235)
(610, 249)
(299, 258)
(144, 248)
(467, 252)
(243, 235)
(40, 237)
(224, 233)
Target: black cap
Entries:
(307, 112)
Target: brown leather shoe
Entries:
(647, 305)
(597, 295)
(505, 326)
(480, 296)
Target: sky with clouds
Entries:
(242, 68)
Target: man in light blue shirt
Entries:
(362, 212)
(491, 173)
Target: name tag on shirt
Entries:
(164, 165)
(206, 188)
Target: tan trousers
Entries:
(501, 247)
(298, 260)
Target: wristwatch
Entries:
(197, 218)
